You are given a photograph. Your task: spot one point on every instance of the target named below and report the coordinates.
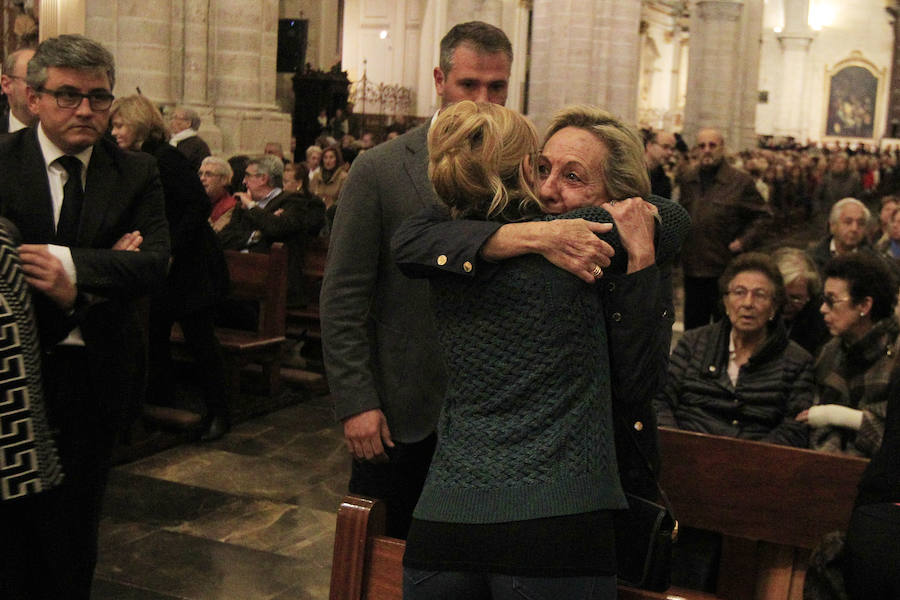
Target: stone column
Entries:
(584, 52)
(892, 127)
(58, 17)
(141, 36)
(244, 38)
(723, 70)
(195, 64)
(795, 39)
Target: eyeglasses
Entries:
(830, 301)
(99, 101)
(740, 293)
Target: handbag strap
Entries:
(649, 465)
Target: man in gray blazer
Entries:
(381, 351)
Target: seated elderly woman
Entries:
(803, 297)
(889, 244)
(741, 377)
(853, 369)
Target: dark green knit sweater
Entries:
(526, 427)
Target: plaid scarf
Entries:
(857, 376)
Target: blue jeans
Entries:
(454, 585)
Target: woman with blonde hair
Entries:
(523, 487)
(198, 276)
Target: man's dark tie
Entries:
(73, 198)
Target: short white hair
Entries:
(835, 214)
(220, 165)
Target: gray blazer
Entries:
(378, 335)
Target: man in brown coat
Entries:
(729, 217)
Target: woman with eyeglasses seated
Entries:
(741, 376)
(803, 297)
(854, 368)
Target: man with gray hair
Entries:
(267, 214)
(185, 123)
(74, 195)
(17, 115)
(848, 223)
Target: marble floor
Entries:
(250, 516)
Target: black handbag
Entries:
(645, 534)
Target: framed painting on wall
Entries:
(853, 95)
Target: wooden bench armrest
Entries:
(358, 520)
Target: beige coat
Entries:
(330, 190)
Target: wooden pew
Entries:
(260, 277)
(771, 503)
(304, 321)
(367, 565)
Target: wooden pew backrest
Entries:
(261, 277)
(716, 483)
(366, 564)
(769, 517)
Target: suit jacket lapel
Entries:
(36, 186)
(416, 155)
(99, 191)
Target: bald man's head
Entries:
(712, 147)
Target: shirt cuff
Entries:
(64, 254)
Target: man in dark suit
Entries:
(74, 196)
(184, 124)
(18, 115)
(268, 214)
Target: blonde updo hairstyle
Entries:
(142, 116)
(483, 161)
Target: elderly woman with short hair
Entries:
(853, 369)
(803, 297)
(215, 175)
(589, 159)
(525, 462)
(741, 376)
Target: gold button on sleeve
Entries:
(467, 267)
(638, 426)
(442, 260)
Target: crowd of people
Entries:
(496, 312)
